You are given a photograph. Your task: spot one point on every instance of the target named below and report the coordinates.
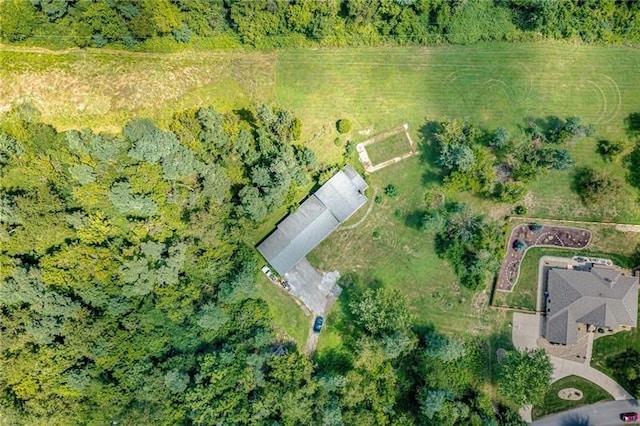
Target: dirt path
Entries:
(363, 218)
(312, 341)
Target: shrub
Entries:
(519, 245)
(596, 187)
(535, 227)
(349, 148)
(378, 199)
(391, 190)
(520, 210)
(509, 192)
(337, 142)
(500, 138)
(376, 234)
(344, 126)
(609, 149)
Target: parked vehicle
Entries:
(317, 324)
(629, 417)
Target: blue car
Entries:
(317, 324)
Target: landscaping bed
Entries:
(530, 235)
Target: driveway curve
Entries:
(563, 368)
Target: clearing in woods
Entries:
(496, 84)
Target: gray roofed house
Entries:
(316, 218)
(601, 297)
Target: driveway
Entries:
(314, 288)
(526, 330)
(563, 368)
(601, 414)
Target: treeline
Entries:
(126, 293)
(284, 23)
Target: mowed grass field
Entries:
(377, 88)
(495, 84)
(103, 89)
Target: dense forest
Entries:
(128, 294)
(284, 23)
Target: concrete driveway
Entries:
(314, 288)
(526, 330)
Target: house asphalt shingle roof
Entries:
(316, 218)
(602, 297)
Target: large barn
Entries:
(316, 218)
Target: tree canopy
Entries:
(273, 24)
(525, 376)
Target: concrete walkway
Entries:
(526, 330)
(563, 368)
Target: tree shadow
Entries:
(575, 420)
(334, 360)
(428, 147)
(543, 126)
(500, 340)
(245, 114)
(414, 219)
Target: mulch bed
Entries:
(546, 236)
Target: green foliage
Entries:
(633, 123)
(18, 20)
(610, 149)
(137, 298)
(500, 138)
(632, 163)
(344, 126)
(270, 25)
(472, 245)
(391, 190)
(509, 192)
(129, 203)
(596, 187)
(380, 312)
(479, 20)
(520, 210)
(525, 377)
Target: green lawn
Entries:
(496, 84)
(592, 393)
(290, 321)
(394, 146)
(608, 347)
